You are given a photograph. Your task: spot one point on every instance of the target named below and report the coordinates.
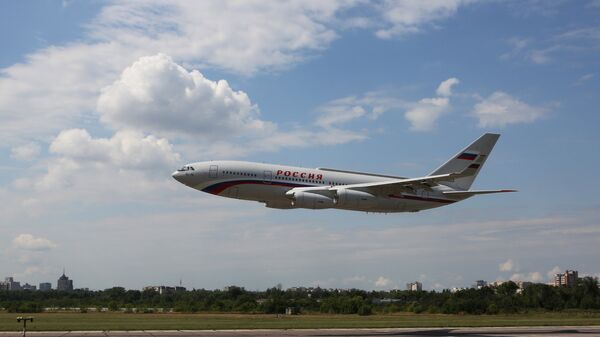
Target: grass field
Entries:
(126, 321)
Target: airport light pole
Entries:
(24, 319)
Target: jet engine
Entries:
(305, 199)
(353, 198)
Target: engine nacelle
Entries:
(352, 198)
(278, 204)
(302, 199)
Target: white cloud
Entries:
(125, 149)
(423, 115)
(157, 95)
(343, 110)
(27, 151)
(584, 78)
(552, 272)
(127, 164)
(239, 36)
(508, 265)
(445, 88)
(574, 44)
(58, 86)
(55, 88)
(29, 242)
(500, 109)
(382, 282)
(409, 16)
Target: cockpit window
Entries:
(186, 168)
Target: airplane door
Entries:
(213, 171)
(267, 177)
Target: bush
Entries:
(492, 309)
(365, 310)
(113, 306)
(28, 307)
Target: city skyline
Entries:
(101, 101)
(569, 278)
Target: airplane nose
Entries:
(177, 176)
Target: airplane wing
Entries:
(410, 185)
(402, 185)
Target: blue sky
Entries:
(101, 101)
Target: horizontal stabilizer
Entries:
(471, 193)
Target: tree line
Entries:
(487, 300)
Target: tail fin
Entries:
(469, 161)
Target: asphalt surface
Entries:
(560, 331)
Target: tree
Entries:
(507, 289)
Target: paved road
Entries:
(561, 331)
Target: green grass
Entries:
(125, 321)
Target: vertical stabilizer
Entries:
(469, 161)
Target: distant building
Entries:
(163, 289)
(524, 284)
(414, 286)
(45, 286)
(568, 278)
(10, 284)
(496, 284)
(480, 284)
(3, 285)
(28, 286)
(457, 289)
(64, 284)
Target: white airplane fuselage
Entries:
(269, 184)
(285, 187)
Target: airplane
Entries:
(287, 187)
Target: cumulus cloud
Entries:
(27, 151)
(445, 88)
(426, 112)
(157, 95)
(58, 86)
(407, 17)
(125, 149)
(29, 242)
(343, 110)
(55, 87)
(508, 265)
(239, 36)
(382, 282)
(421, 114)
(85, 165)
(500, 109)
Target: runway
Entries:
(562, 331)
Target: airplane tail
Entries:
(469, 162)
